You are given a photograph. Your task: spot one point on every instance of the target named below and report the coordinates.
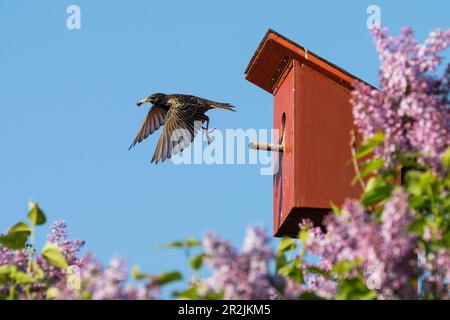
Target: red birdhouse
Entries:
(312, 110)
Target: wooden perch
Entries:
(266, 146)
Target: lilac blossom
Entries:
(69, 248)
(108, 282)
(412, 106)
(436, 279)
(97, 281)
(246, 274)
(356, 235)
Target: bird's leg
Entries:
(207, 131)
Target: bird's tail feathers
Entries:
(225, 106)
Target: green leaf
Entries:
(36, 215)
(285, 270)
(291, 270)
(86, 295)
(427, 178)
(303, 235)
(413, 184)
(310, 296)
(416, 201)
(137, 274)
(189, 294)
(370, 144)
(214, 296)
(369, 167)
(409, 159)
(446, 158)
(343, 267)
(5, 273)
(21, 277)
(446, 239)
(159, 279)
(17, 236)
(281, 261)
(421, 222)
(20, 227)
(418, 225)
(354, 289)
(38, 272)
(52, 293)
(10, 272)
(376, 191)
(286, 244)
(54, 256)
(189, 243)
(166, 277)
(15, 240)
(174, 244)
(196, 262)
(335, 208)
(319, 271)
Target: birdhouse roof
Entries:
(273, 56)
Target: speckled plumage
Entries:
(182, 116)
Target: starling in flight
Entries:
(182, 116)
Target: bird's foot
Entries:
(208, 138)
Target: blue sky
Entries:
(68, 113)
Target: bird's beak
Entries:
(141, 102)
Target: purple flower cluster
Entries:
(18, 258)
(95, 281)
(384, 247)
(412, 106)
(69, 248)
(436, 279)
(246, 274)
(108, 282)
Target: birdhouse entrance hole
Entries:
(283, 127)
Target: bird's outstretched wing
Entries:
(180, 129)
(155, 119)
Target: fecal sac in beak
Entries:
(141, 102)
